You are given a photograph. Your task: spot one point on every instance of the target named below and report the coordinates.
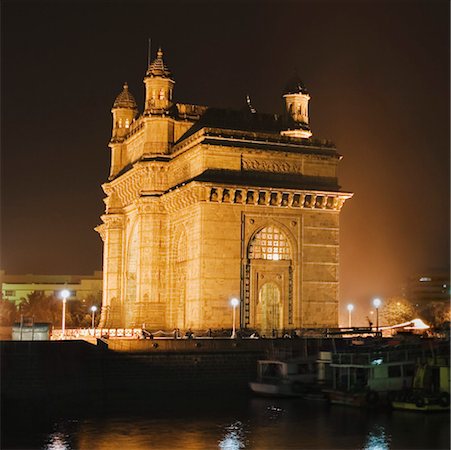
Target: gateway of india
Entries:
(204, 205)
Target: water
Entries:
(212, 422)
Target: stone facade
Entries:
(204, 205)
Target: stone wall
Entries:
(52, 371)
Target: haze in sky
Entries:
(377, 72)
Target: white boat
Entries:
(294, 378)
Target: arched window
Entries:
(269, 243)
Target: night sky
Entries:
(377, 72)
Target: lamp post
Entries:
(234, 302)
(377, 303)
(65, 294)
(93, 310)
(350, 308)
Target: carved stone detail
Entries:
(308, 200)
(277, 165)
(101, 230)
(113, 221)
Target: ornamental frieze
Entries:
(110, 222)
(142, 178)
(271, 166)
(184, 197)
(187, 195)
(278, 198)
(113, 221)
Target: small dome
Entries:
(157, 67)
(295, 86)
(125, 99)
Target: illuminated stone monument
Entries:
(205, 204)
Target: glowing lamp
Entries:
(65, 294)
(350, 308)
(234, 302)
(377, 302)
(93, 310)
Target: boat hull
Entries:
(299, 390)
(273, 390)
(427, 407)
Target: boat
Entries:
(365, 377)
(293, 378)
(430, 390)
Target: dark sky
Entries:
(377, 71)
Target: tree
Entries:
(435, 313)
(8, 312)
(396, 310)
(42, 308)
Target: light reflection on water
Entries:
(235, 437)
(57, 441)
(377, 439)
(226, 424)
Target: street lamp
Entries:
(234, 302)
(93, 310)
(377, 303)
(350, 308)
(65, 294)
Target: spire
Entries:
(159, 86)
(157, 68)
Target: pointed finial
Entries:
(125, 86)
(159, 53)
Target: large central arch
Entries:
(268, 280)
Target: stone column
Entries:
(151, 299)
(112, 232)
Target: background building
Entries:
(205, 204)
(17, 287)
(428, 286)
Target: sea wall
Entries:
(54, 370)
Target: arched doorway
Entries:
(268, 281)
(269, 308)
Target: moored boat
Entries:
(294, 378)
(369, 378)
(430, 390)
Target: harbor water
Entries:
(216, 422)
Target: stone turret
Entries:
(124, 111)
(296, 102)
(159, 86)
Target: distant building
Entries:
(204, 204)
(428, 287)
(18, 287)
